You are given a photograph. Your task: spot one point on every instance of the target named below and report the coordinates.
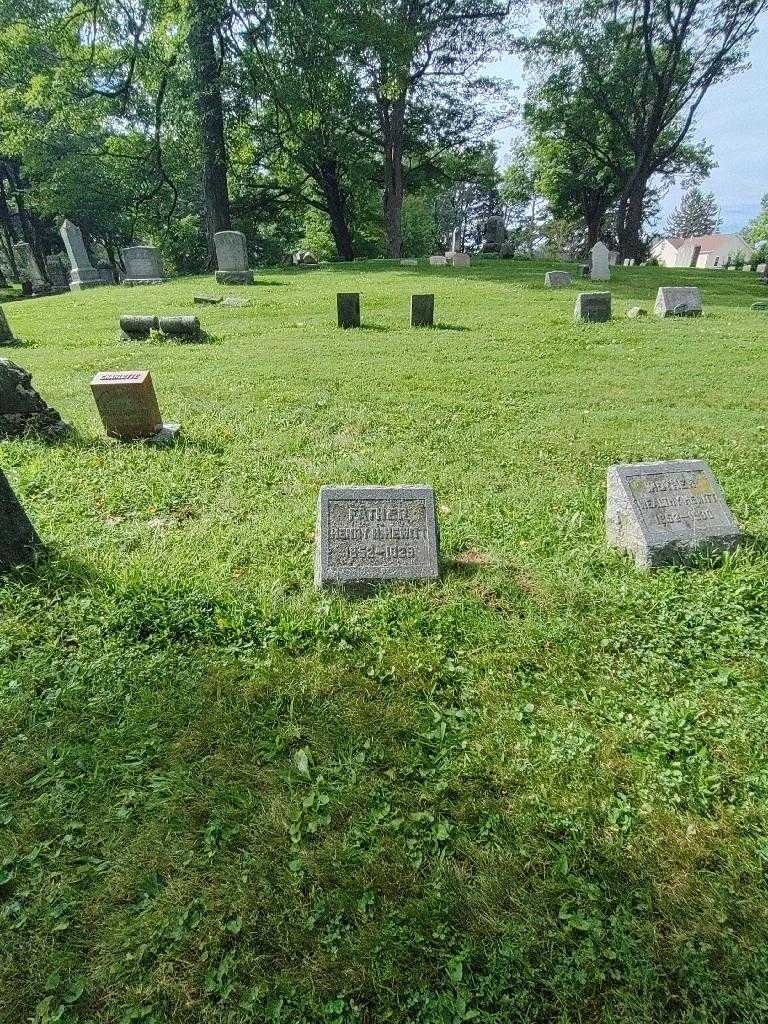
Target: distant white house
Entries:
(700, 251)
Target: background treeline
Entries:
(355, 129)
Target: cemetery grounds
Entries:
(535, 791)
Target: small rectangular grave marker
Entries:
(557, 279)
(348, 309)
(593, 307)
(460, 259)
(128, 406)
(422, 310)
(678, 302)
(366, 535)
(438, 261)
(663, 513)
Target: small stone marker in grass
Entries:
(593, 307)
(636, 311)
(181, 328)
(460, 259)
(762, 267)
(367, 535)
(422, 310)
(232, 258)
(664, 513)
(348, 309)
(142, 265)
(208, 300)
(22, 411)
(19, 543)
(136, 326)
(409, 263)
(128, 406)
(678, 302)
(438, 261)
(232, 302)
(760, 306)
(557, 279)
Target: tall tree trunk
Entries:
(631, 213)
(6, 221)
(210, 111)
(393, 123)
(337, 209)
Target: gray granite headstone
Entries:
(599, 262)
(19, 543)
(664, 513)
(142, 265)
(422, 310)
(83, 274)
(22, 410)
(29, 271)
(593, 307)
(232, 258)
(366, 535)
(348, 309)
(57, 275)
(557, 279)
(678, 302)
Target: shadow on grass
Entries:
(440, 326)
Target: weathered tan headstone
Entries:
(128, 406)
(142, 265)
(232, 258)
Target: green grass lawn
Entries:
(534, 792)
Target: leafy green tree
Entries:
(637, 71)
(757, 229)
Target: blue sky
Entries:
(733, 118)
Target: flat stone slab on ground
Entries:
(760, 306)
(409, 263)
(664, 513)
(234, 303)
(678, 301)
(19, 543)
(557, 279)
(422, 310)
(127, 404)
(593, 307)
(367, 535)
(208, 300)
(438, 261)
(348, 309)
(22, 410)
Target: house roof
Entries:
(704, 241)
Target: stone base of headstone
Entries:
(438, 261)
(234, 277)
(348, 309)
(667, 513)
(593, 307)
(134, 282)
(371, 535)
(409, 263)
(78, 286)
(19, 542)
(422, 310)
